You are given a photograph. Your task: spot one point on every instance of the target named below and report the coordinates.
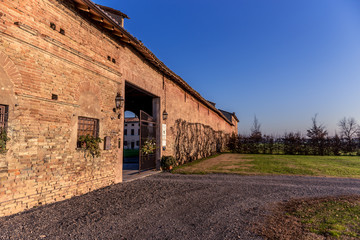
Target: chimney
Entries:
(114, 14)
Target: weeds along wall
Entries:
(50, 78)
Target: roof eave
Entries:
(97, 14)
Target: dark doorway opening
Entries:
(138, 103)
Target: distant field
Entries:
(259, 164)
(131, 153)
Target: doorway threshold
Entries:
(131, 175)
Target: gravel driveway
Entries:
(166, 206)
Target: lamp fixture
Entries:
(165, 115)
(119, 101)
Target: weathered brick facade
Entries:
(43, 164)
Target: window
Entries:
(132, 124)
(137, 143)
(88, 126)
(125, 125)
(132, 132)
(139, 131)
(3, 124)
(3, 116)
(125, 132)
(132, 145)
(125, 143)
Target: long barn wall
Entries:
(42, 164)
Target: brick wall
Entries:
(43, 164)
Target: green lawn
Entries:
(334, 217)
(259, 164)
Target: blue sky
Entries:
(282, 60)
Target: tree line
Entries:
(316, 141)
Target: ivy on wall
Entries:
(195, 140)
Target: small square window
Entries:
(53, 26)
(88, 126)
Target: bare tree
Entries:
(255, 137)
(348, 130)
(255, 129)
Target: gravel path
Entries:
(166, 206)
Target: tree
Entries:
(336, 145)
(255, 136)
(348, 130)
(317, 134)
(292, 143)
(233, 142)
(255, 129)
(348, 127)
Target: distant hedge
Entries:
(293, 144)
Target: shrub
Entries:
(3, 139)
(90, 144)
(167, 162)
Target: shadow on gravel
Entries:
(170, 206)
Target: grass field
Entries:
(328, 218)
(131, 152)
(259, 164)
(338, 218)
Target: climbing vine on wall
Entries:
(195, 140)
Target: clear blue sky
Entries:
(282, 60)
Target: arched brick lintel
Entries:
(10, 68)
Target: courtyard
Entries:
(171, 206)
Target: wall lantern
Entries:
(165, 115)
(119, 101)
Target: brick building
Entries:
(68, 68)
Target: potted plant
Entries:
(90, 144)
(148, 147)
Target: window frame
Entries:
(95, 130)
(4, 117)
(82, 131)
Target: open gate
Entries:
(147, 132)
